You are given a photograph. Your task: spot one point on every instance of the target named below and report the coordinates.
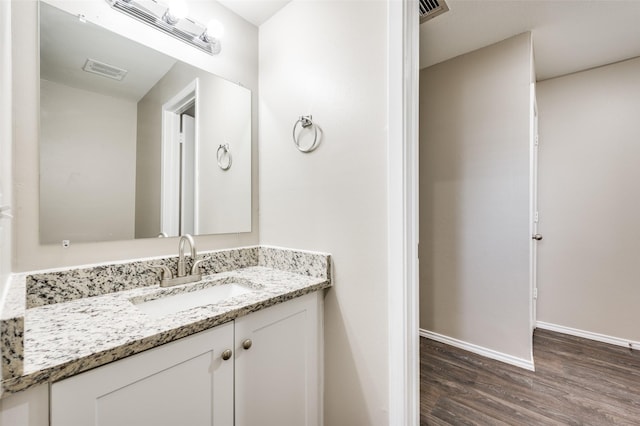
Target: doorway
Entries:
(179, 183)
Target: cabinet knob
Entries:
(247, 344)
(226, 354)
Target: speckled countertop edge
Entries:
(12, 327)
(65, 339)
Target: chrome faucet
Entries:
(181, 263)
(166, 276)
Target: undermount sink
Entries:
(177, 302)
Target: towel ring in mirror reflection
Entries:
(305, 121)
(224, 156)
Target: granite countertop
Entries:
(66, 338)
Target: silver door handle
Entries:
(537, 237)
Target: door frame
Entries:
(170, 158)
(533, 202)
(188, 181)
(402, 208)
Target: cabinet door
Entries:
(277, 378)
(185, 382)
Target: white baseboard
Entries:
(588, 335)
(489, 353)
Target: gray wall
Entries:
(87, 165)
(589, 205)
(474, 197)
(333, 199)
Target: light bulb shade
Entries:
(215, 29)
(177, 10)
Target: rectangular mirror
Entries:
(134, 143)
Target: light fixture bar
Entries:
(185, 29)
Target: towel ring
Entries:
(305, 121)
(222, 153)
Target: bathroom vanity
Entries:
(267, 362)
(242, 346)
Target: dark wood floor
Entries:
(576, 382)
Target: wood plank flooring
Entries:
(576, 382)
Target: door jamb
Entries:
(533, 200)
(402, 204)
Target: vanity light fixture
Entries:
(172, 20)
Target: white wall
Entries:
(474, 198)
(87, 165)
(5, 143)
(237, 62)
(329, 59)
(589, 205)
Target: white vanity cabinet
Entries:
(277, 378)
(187, 382)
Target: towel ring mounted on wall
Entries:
(222, 154)
(305, 121)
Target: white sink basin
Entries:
(173, 303)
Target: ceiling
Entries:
(568, 35)
(66, 43)
(254, 11)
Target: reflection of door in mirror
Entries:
(178, 185)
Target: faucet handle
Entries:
(195, 269)
(165, 272)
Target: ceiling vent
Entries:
(431, 8)
(105, 70)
